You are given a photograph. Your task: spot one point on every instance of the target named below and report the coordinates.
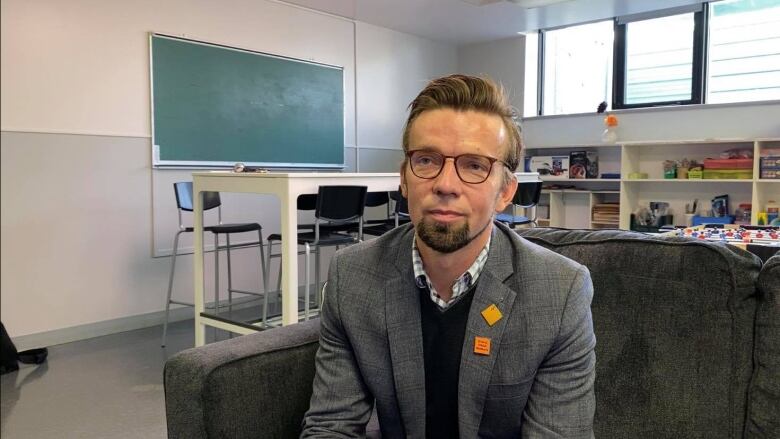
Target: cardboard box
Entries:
(583, 164)
(551, 167)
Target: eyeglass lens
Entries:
(471, 168)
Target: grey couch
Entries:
(688, 346)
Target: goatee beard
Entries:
(444, 238)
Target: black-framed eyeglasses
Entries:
(471, 168)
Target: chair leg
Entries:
(264, 273)
(279, 279)
(170, 286)
(229, 274)
(308, 280)
(317, 277)
(267, 270)
(216, 274)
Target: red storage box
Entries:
(728, 163)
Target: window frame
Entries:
(698, 64)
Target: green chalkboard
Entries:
(215, 106)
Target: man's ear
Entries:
(506, 194)
(404, 191)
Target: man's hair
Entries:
(461, 93)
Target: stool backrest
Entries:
(376, 199)
(306, 202)
(401, 203)
(183, 190)
(340, 203)
(528, 193)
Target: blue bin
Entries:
(698, 220)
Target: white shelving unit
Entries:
(571, 203)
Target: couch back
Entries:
(764, 403)
(674, 323)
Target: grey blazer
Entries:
(537, 381)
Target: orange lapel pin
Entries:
(482, 345)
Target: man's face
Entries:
(447, 213)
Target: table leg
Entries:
(200, 327)
(289, 260)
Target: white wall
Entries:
(696, 122)
(502, 60)
(78, 211)
(391, 68)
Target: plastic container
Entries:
(727, 174)
(743, 213)
(609, 135)
(728, 163)
(772, 210)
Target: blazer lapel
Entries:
(476, 369)
(404, 333)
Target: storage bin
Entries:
(722, 174)
(728, 164)
(698, 220)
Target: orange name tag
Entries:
(482, 345)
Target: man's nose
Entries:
(447, 182)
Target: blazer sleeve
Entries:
(340, 404)
(561, 403)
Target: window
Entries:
(530, 94)
(658, 60)
(577, 69)
(713, 52)
(744, 51)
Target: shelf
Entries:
(686, 180)
(572, 207)
(580, 180)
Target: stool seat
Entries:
(235, 228)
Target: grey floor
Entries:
(104, 387)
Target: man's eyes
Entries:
(474, 164)
(427, 159)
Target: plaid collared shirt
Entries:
(461, 285)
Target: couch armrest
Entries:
(257, 385)
(764, 394)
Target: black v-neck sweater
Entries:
(443, 333)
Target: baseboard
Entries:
(113, 326)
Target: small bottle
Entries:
(610, 133)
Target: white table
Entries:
(286, 186)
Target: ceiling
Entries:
(462, 22)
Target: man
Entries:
(454, 326)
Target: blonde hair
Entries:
(461, 93)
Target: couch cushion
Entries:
(674, 330)
(253, 386)
(763, 419)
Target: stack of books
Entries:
(606, 214)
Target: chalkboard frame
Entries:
(157, 163)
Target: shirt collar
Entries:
(462, 284)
